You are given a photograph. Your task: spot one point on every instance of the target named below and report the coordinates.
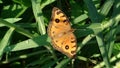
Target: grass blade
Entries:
(95, 17)
(5, 41)
(18, 29)
(63, 63)
(30, 43)
(38, 16)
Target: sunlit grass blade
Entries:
(114, 58)
(113, 28)
(23, 56)
(30, 43)
(85, 41)
(63, 63)
(21, 12)
(18, 29)
(80, 18)
(96, 18)
(38, 16)
(10, 20)
(5, 41)
(106, 8)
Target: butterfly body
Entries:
(61, 33)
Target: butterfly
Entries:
(61, 33)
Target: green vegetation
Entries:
(24, 42)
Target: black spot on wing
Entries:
(66, 47)
(57, 20)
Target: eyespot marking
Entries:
(57, 20)
(66, 47)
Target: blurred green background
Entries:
(24, 42)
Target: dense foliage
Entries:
(24, 41)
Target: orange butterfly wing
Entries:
(61, 33)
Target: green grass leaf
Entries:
(5, 41)
(30, 43)
(38, 16)
(10, 20)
